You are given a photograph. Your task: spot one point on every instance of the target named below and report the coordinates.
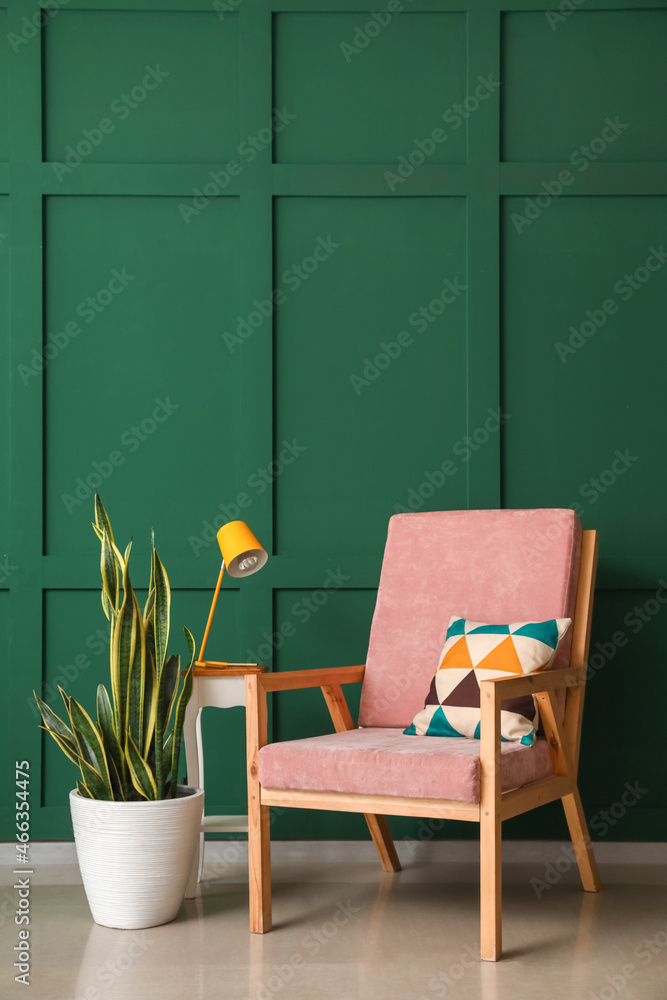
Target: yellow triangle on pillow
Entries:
(503, 657)
(458, 657)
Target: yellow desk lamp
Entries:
(242, 555)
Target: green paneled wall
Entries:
(284, 261)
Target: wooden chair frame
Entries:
(564, 739)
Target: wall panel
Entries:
(359, 375)
(5, 247)
(160, 87)
(564, 78)
(583, 290)
(146, 351)
(351, 105)
(5, 55)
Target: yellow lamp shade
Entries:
(241, 552)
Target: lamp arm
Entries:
(210, 615)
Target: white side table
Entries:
(218, 688)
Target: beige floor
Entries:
(345, 931)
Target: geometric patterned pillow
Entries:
(474, 652)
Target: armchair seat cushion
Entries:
(386, 762)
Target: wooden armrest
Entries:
(510, 686)
(292, 679)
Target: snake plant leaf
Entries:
(89, 741)
(93, 781)
(140, 773)
(183, 700)
(114, 754)
(102, 522)
(105, 720)
(150, 600)
(150, 701)
(189, 638)
(167, 690)
(117, 784)
(186, 692)
(161, 613)
(106, 607)
(82, 790)
(69, 749)
(167, 752)
(137, 683)
(51, 721)
(109, 570)
(65, 697)
(149, 606)
(125, 637)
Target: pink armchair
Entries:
(494, 566)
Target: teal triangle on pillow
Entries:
(546, 632)
(490, 630)
(410, 731)
(477, 735)
(456, 628)
(440, 726)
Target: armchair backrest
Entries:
(492, 566)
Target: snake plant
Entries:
(131, 752)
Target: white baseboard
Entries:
(361, 851)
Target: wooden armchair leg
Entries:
(490, 823)
(491, 888)
(259, 869)
(384, 843)
(259, 830)
(581, 841)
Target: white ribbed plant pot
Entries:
(135, 857)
